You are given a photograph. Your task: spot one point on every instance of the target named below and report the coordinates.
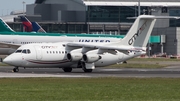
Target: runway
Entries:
(170, 72)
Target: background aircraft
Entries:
(68, 55)
(11, 40)
(31, 26)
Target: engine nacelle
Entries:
(90, 58)
(74, 56)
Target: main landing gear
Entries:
(85, 69)
(67, 69)
(16, 69)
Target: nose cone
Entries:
(13, 60)
(8, 60)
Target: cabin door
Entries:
(38, 52)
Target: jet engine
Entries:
(74, 56)
(90, 58)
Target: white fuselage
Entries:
(25, 39)
(55, 55)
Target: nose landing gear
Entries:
(16, 69)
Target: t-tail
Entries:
(139, 33)
(4, 26)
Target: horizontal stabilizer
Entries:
(154, 17)
(139, 33)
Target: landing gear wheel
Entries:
(16, 69)
(67, 69)
(87, 70)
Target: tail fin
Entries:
(26, 24)
(31, 26)
(140, 31)
(37, 27)
(4, 27)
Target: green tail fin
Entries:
(4, 27)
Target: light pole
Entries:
(23, 6)
(139, 8)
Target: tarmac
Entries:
(171, 71)
(168, 72)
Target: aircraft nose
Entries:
(13, 59)
(8, 60)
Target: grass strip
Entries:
(153, 59)
(136, 65)
(90, 89)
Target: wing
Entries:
(107, 46)
(9, 45)
(90, 52)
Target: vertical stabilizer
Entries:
(31, 26)
(27, 25)
(37, 27)
(140, 31)
(4, 27)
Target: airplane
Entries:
(11, 40)
(68, 55)
(31, 26)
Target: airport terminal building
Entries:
(108, 17)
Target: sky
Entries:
(7, 6)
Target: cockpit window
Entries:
(26, 51)
(18, 51)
